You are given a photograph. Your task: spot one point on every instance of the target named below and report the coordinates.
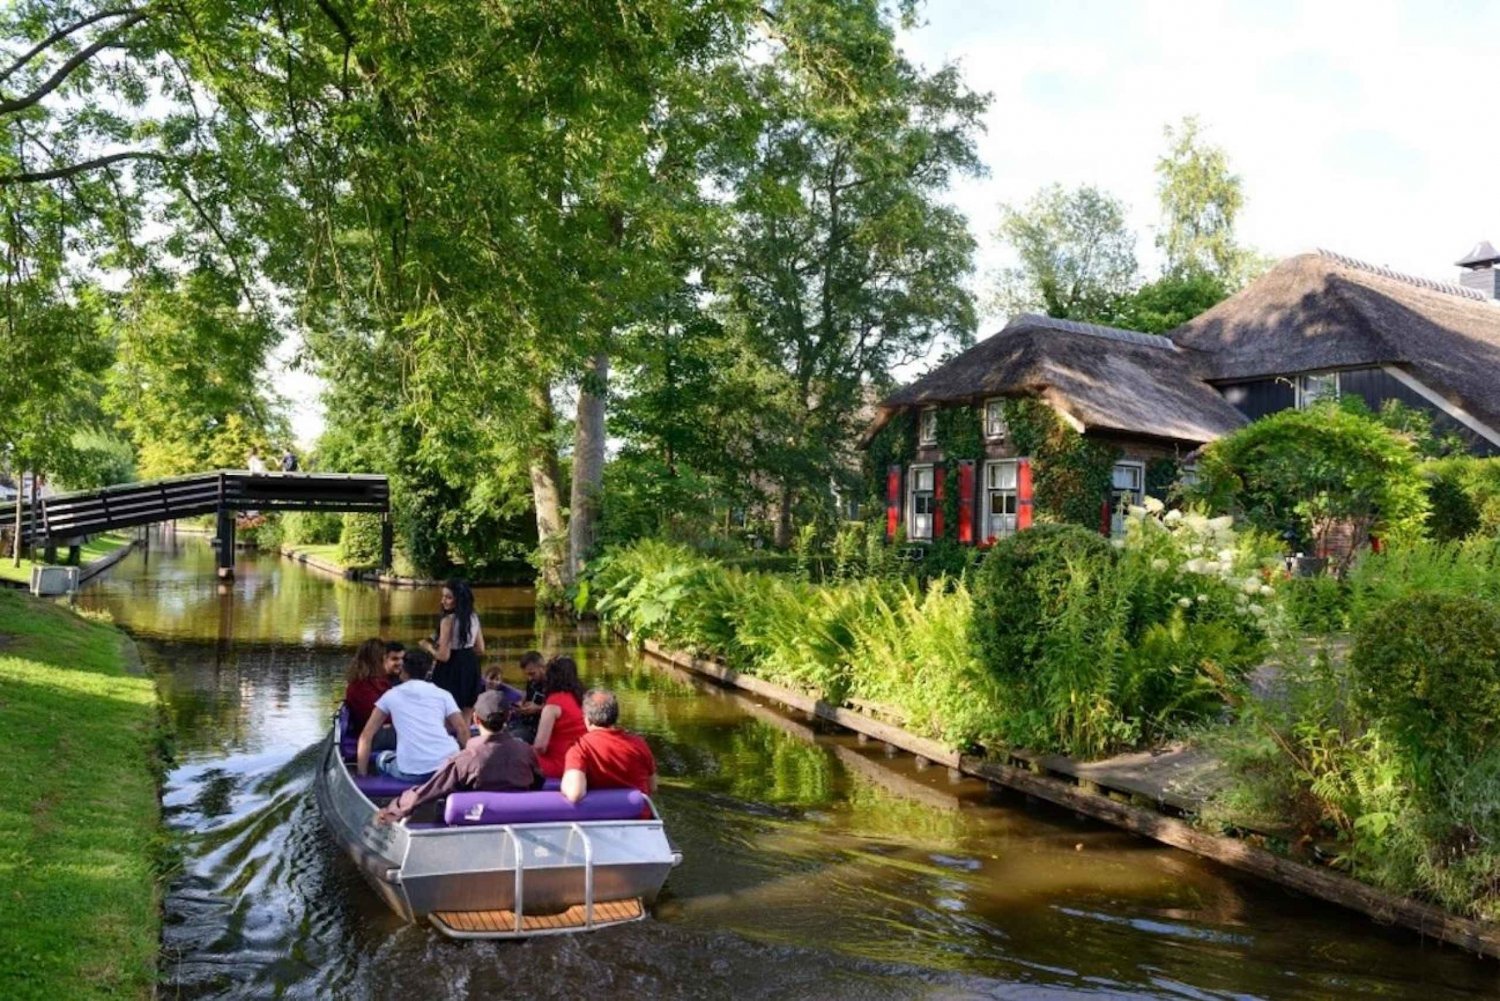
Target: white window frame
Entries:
(912, 516)
(1118, 504)
(1306, 398)
(927, 435)
(998, 526)
(995, 428)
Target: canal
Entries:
(814, 867)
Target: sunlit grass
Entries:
(96, 548)
(79, 842)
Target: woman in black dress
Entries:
(459, 646)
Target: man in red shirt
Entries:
(606, 757)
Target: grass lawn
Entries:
(79, 835)
(328, 552)
(97, 547)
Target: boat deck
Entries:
(502, 924)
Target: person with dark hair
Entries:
(460, 644)
(394, 652)
(427, 723)
(607, 757)
(288, 460)
(365, 681)
(560, 723)
(494, 762)
(523, 721)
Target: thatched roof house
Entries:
(1314, 326)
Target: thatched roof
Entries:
(1102, 377)
(1323, 311)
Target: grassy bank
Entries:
(96, 548)
(79, 815)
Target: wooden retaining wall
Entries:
(1072, 786)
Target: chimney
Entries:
(1479, 271)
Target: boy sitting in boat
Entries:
(607, 757)
(523, 722)
(492, 762)
(427, 723)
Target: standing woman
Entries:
(560, 723)
(459, 646)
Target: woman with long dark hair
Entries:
(561, 721)
(365, 682)
(460, 644)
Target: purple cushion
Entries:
(552, 784)
(377, 785)
(348, 742)
(467, 809)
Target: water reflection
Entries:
(814, 867)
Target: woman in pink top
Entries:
(561, 721)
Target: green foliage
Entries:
(1200, 199)
(359, 540)
(1308, 474)
(1430, 676)
(1410, 570)
(100, 459)
(312, 528)
(1071, 473)
(960, 436)
(1168, 302)
(1464, 494)
(893, 445)
(1077, 257)
(1317, 604)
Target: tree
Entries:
(1168, 302)
(1200, 198)
(841, 261)
(1076, 258)
(189, 384)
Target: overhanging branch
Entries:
(54, 81)
(58, 173)
(58, 36)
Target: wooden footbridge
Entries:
(64, 519)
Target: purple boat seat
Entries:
(469, 809)
(551, 785)
(377, 786)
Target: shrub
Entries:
(1382, 580)
(311, 528)
(359, 541)
(1317, 604)
(1429, 674)
(1464, 495)
(1023, 581)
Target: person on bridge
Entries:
(288, 460)
(364, 683)
(255, 463)
(607, 757)
(427, 723)
(460, 644)
(560, 723)
(494, 762)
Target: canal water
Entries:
(813, 867)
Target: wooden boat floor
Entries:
(497, 923)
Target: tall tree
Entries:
(1200, 198)
(1075, 255)
(842, 261)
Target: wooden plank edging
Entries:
(1334, 887)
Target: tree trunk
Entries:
(783, 538)
(15, 550)
(588, 463)
(546, 496)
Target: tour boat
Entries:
(498, 864)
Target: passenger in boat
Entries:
(427, 723)
(523, 721)
(607, 757)
(560, 723)
(493, 762)
(394, 651)
(459, 645)
(365, 683)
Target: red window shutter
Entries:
(892, 502)
(939, 490)
(966, 502)
(1106, 514)
(1023, 494)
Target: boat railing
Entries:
(588, 875)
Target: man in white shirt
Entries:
(427, 722)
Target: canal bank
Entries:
(814, 865)
(80, 843)
(95, 556)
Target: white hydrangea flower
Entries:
(1226, 556)
(1185, 602)
(1172, 517)
(1202, 598)
(1221, 523)
(1257, 611)
(1195, 565)
(1154, 506)
(1250, 586)
(1265, 589)
(1159, 564)
(1212, 566)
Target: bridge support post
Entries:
(387, 541)
(49, 552)
(226, 543)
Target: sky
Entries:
(1371, 128)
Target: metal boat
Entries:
(499, 864)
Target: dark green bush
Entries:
(1317, 604)
(311, 528)
(1428, 673)
(1022, 582)
(359, 543)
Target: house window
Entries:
(927, 427)
(1127, 488)
(1316, 387)
(994, 419)
(999, 499)
(923, 503)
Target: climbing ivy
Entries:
(1070, 473)
(960, 436)
(1161, 478)
(893, 445)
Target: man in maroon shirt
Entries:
(606, 757)
(493, 762)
